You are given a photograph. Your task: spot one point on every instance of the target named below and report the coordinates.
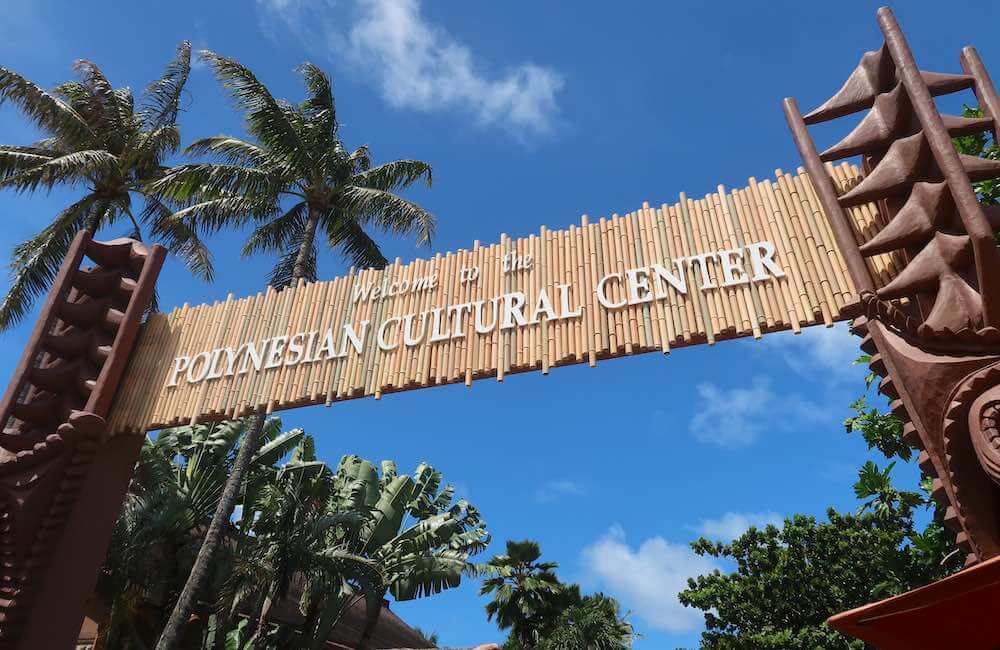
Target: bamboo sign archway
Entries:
(735, 263)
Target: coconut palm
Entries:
(527, 595)
(295, 181)
(96, 139)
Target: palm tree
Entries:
(98, 140)
(330, 539)
(527, 595)
(174, 492)
(295, 181)
(284, 532)
(594, 623)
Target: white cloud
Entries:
(829, 350)
(647, 579)
(556, 489)
(419, 65)
(736, 417)
(733, 524)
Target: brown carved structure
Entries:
(933, 332)
(62, 479)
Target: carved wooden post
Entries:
(62, 480)
(933, 330)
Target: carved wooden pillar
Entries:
(62, 480)
(933, 332)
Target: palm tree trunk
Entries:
(174, 630)
(308, 624)
(369, 631)
(260, 635)
(222, 621)
(171, 637)
(308, 238)
(94, 220)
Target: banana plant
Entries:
(417, 538)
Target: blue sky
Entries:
(535, 113)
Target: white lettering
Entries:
(275, 351)
(761, 257)
(544, 304)
(678, 282)
(732, 271)
(513, 304)
(192, 377)
(638, 280)
(602, 295)
(382, 343)
(180, 364)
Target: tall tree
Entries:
(295, 181)
(789, 580)
(173, 494)
(98, 140)
(527, 595)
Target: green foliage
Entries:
(431, 638)
(882, 431)
(308, 534)
(594, 623)
(174, 491)
(97, 140)
(294, 181)
(527, 595)
(980, 144)
(788, 580)
(541, 612)
(883, 499)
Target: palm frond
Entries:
(232, 150)
(37, 261)
(76, 167)
(109, 120)
(217, 213)
(360, 159)
(179, 237)
(389, 212)
(283, 272)
(266, 118)
(161, 99)
(155, 146)
(47, 111)
(319, 109)
(394, 176)
(14, 160)
(355, 243)
(214, 180)
(276, 234)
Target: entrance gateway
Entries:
(901, 246)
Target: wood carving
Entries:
(54, 416)
(934, 330)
